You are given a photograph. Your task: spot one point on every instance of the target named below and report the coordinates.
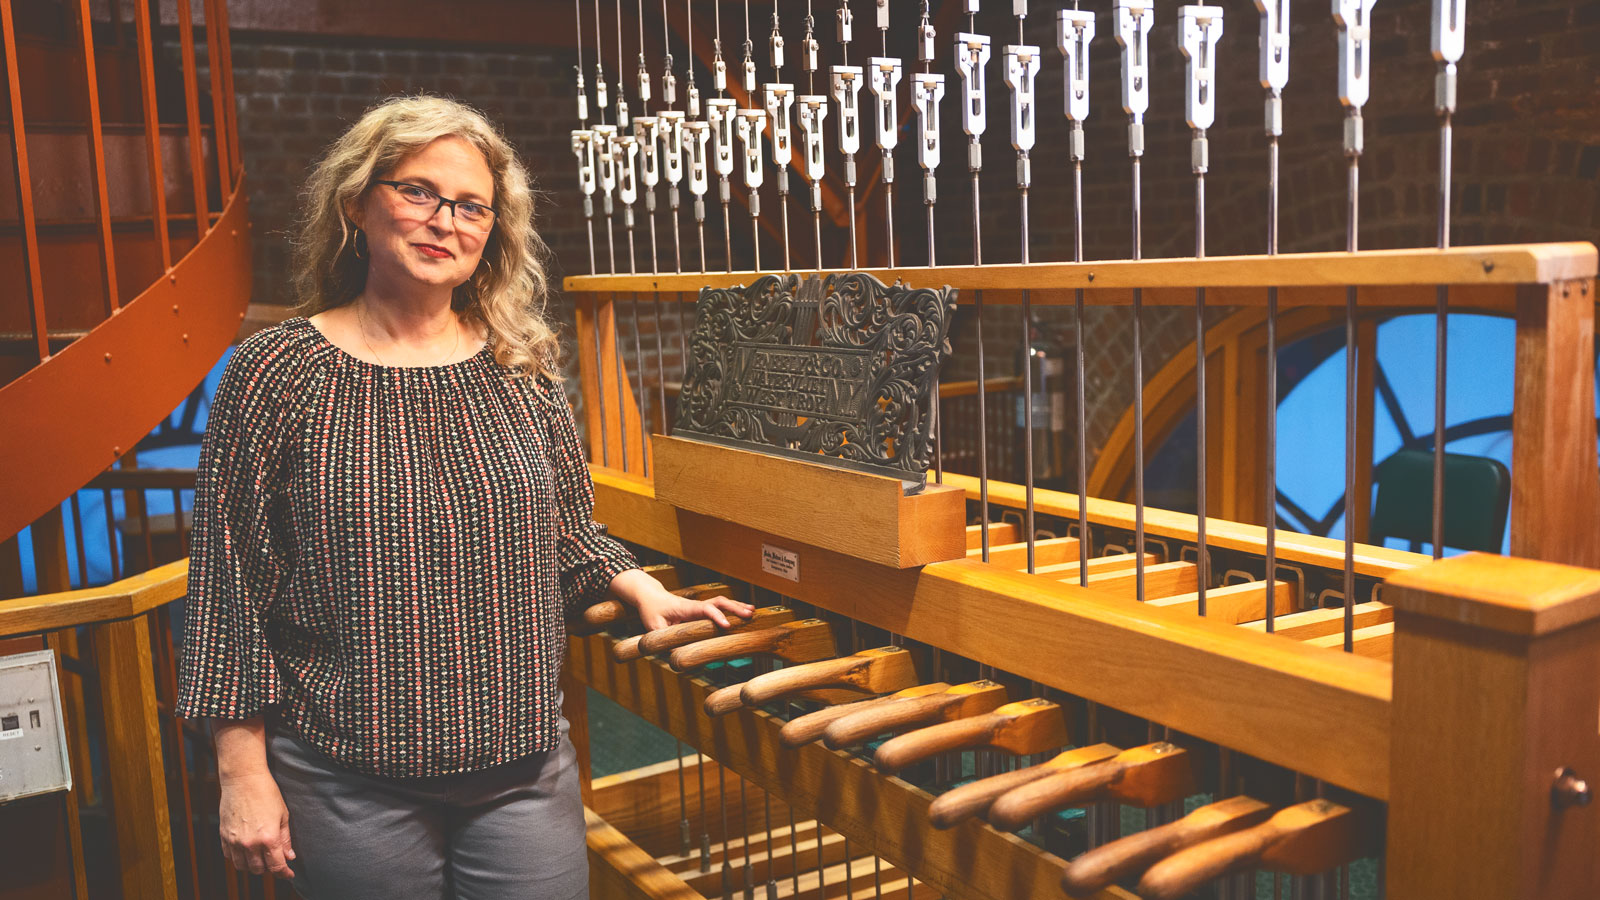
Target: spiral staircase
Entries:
(126, 245)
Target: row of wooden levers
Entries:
(876, 697)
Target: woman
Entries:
(392, 517)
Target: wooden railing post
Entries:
(134, 759)
(1496, 690)
(1555, 487)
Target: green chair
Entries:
(1477, 493)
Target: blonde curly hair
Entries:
(508, 294)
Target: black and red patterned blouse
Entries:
(382, 556)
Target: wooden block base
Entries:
(862, 515)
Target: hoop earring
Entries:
(358, 245)
(485, 262)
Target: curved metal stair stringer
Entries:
(74, 415)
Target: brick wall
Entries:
(1526, 161)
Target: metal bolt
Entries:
(1091, 276)
(174, 309)
(186, 337)
(173, 277)
(1569, 790)
(108, 357)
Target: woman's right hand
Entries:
(255, 825)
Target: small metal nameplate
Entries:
(780, 562)
(838, 370)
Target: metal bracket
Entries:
(846, 88)
(884, 84)
(752, 122)
(779, 98)
(813, 112)
(699, 131)
(928, 90)
(1022, 67)
(671, 133)
(972, 54)
(647, 132)
(1354, 18)
(722, 111)
(583, 149)
(1134, 19)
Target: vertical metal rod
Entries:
(983, 401)
(191, 106)
(219, 115)
(1269, 465)
(152, 126)
(19, 162)
(1350, 412)
(1203, 569)
(108, 262)
(744, 840)
(1138, 400)
(705, 814)
(1449, 37)
(685, 841)
(727, 838)
(1078, 354)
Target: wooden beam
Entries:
(123, 599)
(1046, 552)
(1000, 534)
(1371, 641)
(1303, 279)
(1271, 699)
(619, 870)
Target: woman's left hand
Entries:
(659, 607)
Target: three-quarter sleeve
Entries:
(588, 558)
(237, 555)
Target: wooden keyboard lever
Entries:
(876, 671)
(807, 728)
(674, 636)
(974, 798)
(1143, 776)
(959, 702)
(796, 642)
(603, 615)
(1023, 727)
(1110, 863)
(727, 699)
(1305, 839)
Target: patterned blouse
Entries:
(382, 556)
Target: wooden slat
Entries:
(1293, 547)
(1371, 641)
(1234, 602)
(1270, 698)
(1046, 552)
(1160, 580)
(885, 816)
(1000, 534)
(1107, 281)
(1098, 565)
(1315, 623)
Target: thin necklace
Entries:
(361, 319)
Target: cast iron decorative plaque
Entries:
(840, 370)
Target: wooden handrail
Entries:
(948, 389)
(125, 599)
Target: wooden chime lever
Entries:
(959, 702)
(1023, 727)
(974, 798)
(725, 700)
(1143, 776)
(1305, 839)
(685, 633)
(796, 642)
(1110, 863)
(603, 615)
(631, 648)
(807, 728)
(876, 671)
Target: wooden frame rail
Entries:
(1479, 276)
(1264, 696)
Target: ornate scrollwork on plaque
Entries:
(842, 368)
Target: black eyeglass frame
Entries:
(494, 214)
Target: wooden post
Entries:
(1555, 490)
(134, 759)
(1497, 679)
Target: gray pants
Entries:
(514, 831)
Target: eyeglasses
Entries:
(471, 215)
